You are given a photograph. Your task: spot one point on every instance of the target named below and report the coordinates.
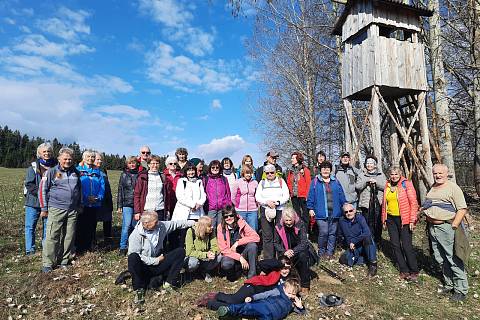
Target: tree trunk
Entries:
(440, 103)
(475, 15)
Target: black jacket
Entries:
(299, 233)
(126, 188)
(259, 172)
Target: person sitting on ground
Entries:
(274, 304)
(291, 240)
(238, 244)
(273, 272)
(358, 238)
(147, 262)
(201, 248)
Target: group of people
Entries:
(204, 219)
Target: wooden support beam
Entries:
(409, 131)
(375, 130)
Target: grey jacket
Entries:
(139, 243)
(364, 188)
(348, 178)
(33, 177)
(60, 189)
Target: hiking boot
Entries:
(139, 297)
(445, 291)
(413, 276)
(404, 275)
(208, 278)
(155, 282)
(47, 269)
(122, 277)
(203, 300)
(457, 297)
(372, 269)
(222, 311)
(122, 252)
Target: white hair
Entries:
(269, 167)
(87, 153)
(65, 150)
(45, 145)
(171, 159)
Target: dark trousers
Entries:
(300, 207)
(169, 267)
(86, 227)
(247, 290)
(267, 233)
(300, 262)
(401, 240)
(374, 221)
(249, 252)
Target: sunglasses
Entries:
(146, 152)
(215, 168)
(228, 216)
(348, 211)
(172, 164)
(273, 172)
(287, 267)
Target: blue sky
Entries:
(114, 75)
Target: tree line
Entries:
(18, 150)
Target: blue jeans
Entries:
(31, 218)
(128, 223)
(216, 216)
(327, 236)
(364, 250)
(251, 217)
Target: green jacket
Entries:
(195, 247)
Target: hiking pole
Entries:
(331, 273)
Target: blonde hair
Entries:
(292, 283)
(289, 213)
(131, 159)
(246, 168)
(201, 227)
(245, 157)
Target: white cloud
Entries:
(67, 24)
(221, 147)
(124, 110)
(203, 118)
(183, 73)
(112, 84)
(171, 13)
(216, 104)
(39, 45)
(9, 21)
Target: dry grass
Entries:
(87, 290)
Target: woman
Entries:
(246, 160)
(182, 156)
(399, 215)
(199, 164)
(273, 272)
(93, 191)
(370, 185)
(325, 201)
(149, 192)
(105, 213)
(201, 248)
(60, 201)
(244, 197)
(298, 181)
(172, 175)
(33, 178)
(272, 194)
(228, 172)
(190, 199)
(147, 261)
(321, 157)
(218, 192)
(238, 244)
(126, 190)
(291, 240)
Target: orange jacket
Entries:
(303, 182)
(407, 201)
(247, 235)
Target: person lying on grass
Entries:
(273, 272)
(274, 304)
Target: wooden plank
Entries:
(402, 47)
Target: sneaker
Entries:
(47, 269)
(122, 277)
(139, 297)
(30, 253)
(122, 252)
(413, 276)
(457, 297)
(445, 291)
(222, 311)
(208, 278)
(64, 267)
(168, 287)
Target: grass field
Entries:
(87, 290)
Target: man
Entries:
(358, 238)
(143, 158)
(347, 176)
(445, 208)
(272, 157)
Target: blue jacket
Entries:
(273, 304)
(355, 230)
(93, 184)
(316, 200)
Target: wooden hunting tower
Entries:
(383, 61)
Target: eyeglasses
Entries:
(348, 211)
(146, 152)
(213, 168)
(229, 216)
(286, 267)
(272, 172)
(172, 164)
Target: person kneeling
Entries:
(274, 304)
(202, 248)
(146, 261)
(358, 239)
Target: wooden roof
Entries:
(393, 4)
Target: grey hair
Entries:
(65, 150)
(45, 145)
(149, 216)
(146, 147)
(98, 154)
(396, 169)
(269, 167)
(289, 213)
(440, 165)
(86, 153)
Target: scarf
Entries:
(47, 163)
(193, 179)
(227, 171)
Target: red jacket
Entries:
(247, 235)
(141, 189)
(170, 187)
(407, 201)
(303, 182)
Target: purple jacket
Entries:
(218, 192)
(245, 195)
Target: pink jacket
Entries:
(407, 201)
(247, 235)
(245, 195)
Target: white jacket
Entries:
(188, 195)
(276, 191)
